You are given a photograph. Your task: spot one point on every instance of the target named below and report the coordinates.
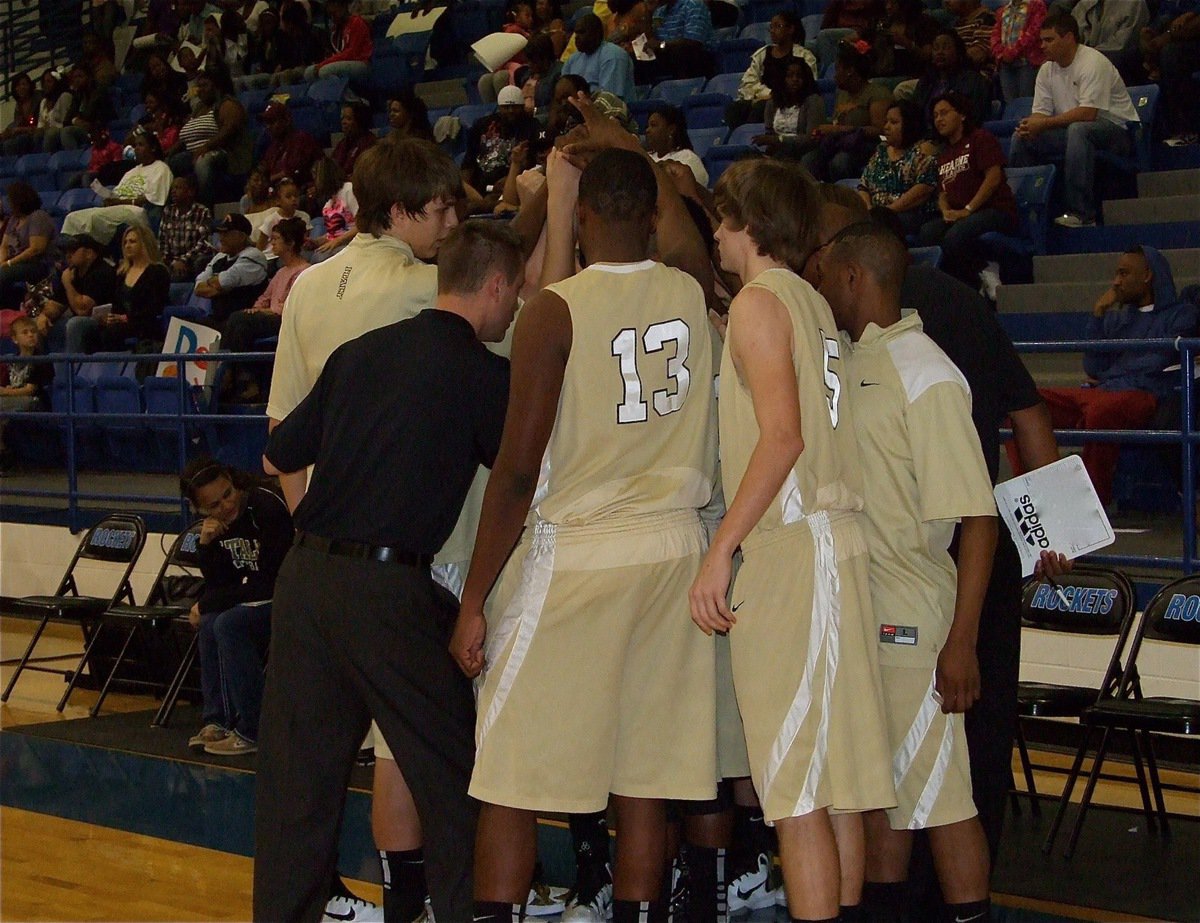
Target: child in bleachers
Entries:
(518, 21)
(24, 384)
(331, 187)
(287, 198)
(184, 235)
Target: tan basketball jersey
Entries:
(924, 471)
(635, 432)
(826, 476)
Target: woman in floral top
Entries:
(902, 173)
(1017, 46)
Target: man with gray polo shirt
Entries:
(1080, 105)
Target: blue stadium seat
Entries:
(328, 90)
(640, 110)
(928, 256)
(123, 442)
(812, 25)
(73, 200)
(85, 430)
(31, 165)
(758, 30)
(728, 32)
(1145, 100)
(705, 110)
(65, 164)
(296, 94)
(1032, 187)
(8, 165)
(762, 10)
(195, 309)
(1014, 111)
(180, 293)
(724, 83)
(676, 91)
(720, 156)
(733, 56)
(469, 115)
(398, 63)
(744, 133)
(162, 401)
(704, 138)
(314, 121)
(255, 101)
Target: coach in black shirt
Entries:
(397, 424)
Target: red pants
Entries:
(1093, 408)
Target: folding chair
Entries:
(117, 539)
(1173, 617)
(159, 613)
(1099, 602)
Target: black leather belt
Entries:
(382, 553)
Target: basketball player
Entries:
(587, 638)
(924, 472)
(803, 665)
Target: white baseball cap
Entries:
(510, 96)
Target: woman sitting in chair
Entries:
(246, 533)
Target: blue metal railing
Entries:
(1186, 436)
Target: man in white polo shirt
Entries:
(1080, 105)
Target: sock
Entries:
(337, 888)
(707, 893)
(883, 901)
(497, 912)
(640, 911)
(589, 834)
(404, 887)
(751, 837)
(854, 913)
(970, 912)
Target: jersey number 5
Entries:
(833, 384)
(624, 346)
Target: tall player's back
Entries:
(635, 432)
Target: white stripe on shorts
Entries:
(522, 615)
(823, 615)
(933, 787)
(913, 741)
(917, 732)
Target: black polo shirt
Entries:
(960, 321)
(397, 424)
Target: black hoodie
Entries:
(241, 565)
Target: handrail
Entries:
(1186, 436)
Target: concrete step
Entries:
(1168, 183)
(1154, 210)
(1165, 235)
(1055, 370)
(1056, 297)
(1085, 267)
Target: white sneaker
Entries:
(989, 281)
(545, 900)
(752, 890)
(1073, 221)
(597, 910)
(347, 909)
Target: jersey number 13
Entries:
(633, 408)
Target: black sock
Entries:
(589, 834)
(751, 837)
(972, 911)
(640, 911)
(853, 913)
(404, 886)
(883, 901)
(497, 912)
(707, 894)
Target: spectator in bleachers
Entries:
(951, 72)
(518, 20)
(97, 56)
(490, 143)
(246, 534)
(765, 74)
(20, 136)
(973, 194)
(23, 385)
(356, 135)
(538, 79)
(262, 58)
(794, 111)
(292, 151)
(257, 196)
(298, 45)
(55, 105)
(1080, 105)
(237, 275)
(681, 38)
(1123, 389)
(160, 27)
(137, 199)
(1171, 45)
(859, 15)
(106, 162)
(262, 319)
(225, 42)
(974, 23)
(905, 36)
(846, 143)
(548, 20)
(667, 139)
(339, 208)
(408, 116)
(141, 293)
(227, 153)
(626, 21)
(901, 175)
(165, 115)
(250, 11)
(161, 78)
(287, 199)
(184, 232)
(90, 106)
(1114, 30)
(27, 248)
(602, 64)
(87, 280)
(1017, 46)
(352, 45)
(192, 14)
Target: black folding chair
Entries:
(1172, 616)
(117, 539)
(161, 609)
(1089, 601)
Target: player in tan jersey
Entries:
(587, 638)
(803, 663)
(925, 472)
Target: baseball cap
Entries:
(234, 222)
(510, 96)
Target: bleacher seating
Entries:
(744, 134)
(733, 55)
(705, 110)
(676, 91)
(720, 156)
(704, 138)
(724, 83)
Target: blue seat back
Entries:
(1145, 101)
(1032, 187)
(724, 83)
(720, 156)
(705, 138)
(470, 114)
(676, 91)
(328, 90)
(705, 110)
(759, 30)
(928, 256)
(733, 56)
(30, 165)
(743, 134)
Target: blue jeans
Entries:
(233, 648)
(1016, 79)
(1074, 149)
(959, 241)
(355, 71)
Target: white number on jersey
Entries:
(667, 400)
(833, 384)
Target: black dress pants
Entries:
(354, 639)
